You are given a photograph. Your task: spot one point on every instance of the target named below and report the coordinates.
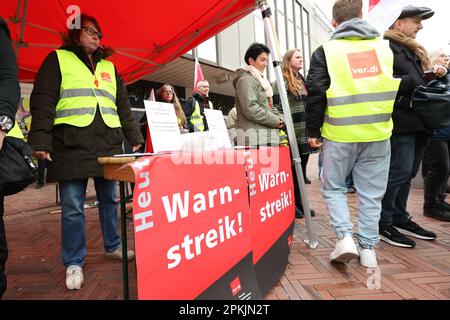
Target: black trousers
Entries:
(298, 200)
(3, 250)
(41, 172)
(438, 171)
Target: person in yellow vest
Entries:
(9, 100)
(195, 106)
(81, 111)
(351, 93)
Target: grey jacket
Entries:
(256, 121)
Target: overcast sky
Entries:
(436, 30)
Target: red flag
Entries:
(373, 3)
(198, 74)
(148, 141)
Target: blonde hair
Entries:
(435, 55)
(295, 86)
(176, 103)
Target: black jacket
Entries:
(9, 83)
(188, 109)
(75, 150)
(408, 67)
(318, 81)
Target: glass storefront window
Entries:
(208, 50)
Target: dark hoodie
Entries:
(318, 80)
(75, 150)
(9, 83)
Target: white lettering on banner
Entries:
(193, 247)
(142, 217)
(274, 207)
(180, 203)
(144, 199)
(267, 180)
(177, 205)
(141, 164)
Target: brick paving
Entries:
(35, 271)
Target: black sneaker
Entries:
(412, 229)
(396, 238)
(437, 212)
(445, 205)
(299, 214)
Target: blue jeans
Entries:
(369, 164)
(73, 229)
(407, 153)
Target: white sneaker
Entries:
(117, 254)
(344, 251)
(367, 257)
(74, 277)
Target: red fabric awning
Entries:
(145, 34)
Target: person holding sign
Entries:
(80, 112)
(166, 93)
(257, 122)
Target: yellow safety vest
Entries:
(15, 132)
(79, 94)
(197, 118)
(361, 96)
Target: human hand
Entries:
(281, 125)
(42, 155)
(2, 137)
(137, 147)
(439, 70)
(315, 142)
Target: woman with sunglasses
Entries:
(81, 112)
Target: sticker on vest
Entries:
(364, 64)
(106, 76)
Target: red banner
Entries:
(195, 235)
(191, 225)
(272, 200)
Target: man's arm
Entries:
(9, 82)
(317, 82)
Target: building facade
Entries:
(299, 24)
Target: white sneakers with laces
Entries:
(74, 277)
(367, 257)
(344, 251)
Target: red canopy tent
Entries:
(144, 34)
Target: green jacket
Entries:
(256, 121)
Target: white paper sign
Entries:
(217, 126)
(163, 125)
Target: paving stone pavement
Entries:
(35, 271)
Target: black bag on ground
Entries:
(17, 170)
(432, 104)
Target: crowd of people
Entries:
(353, 108)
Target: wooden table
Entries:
(114, 169)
